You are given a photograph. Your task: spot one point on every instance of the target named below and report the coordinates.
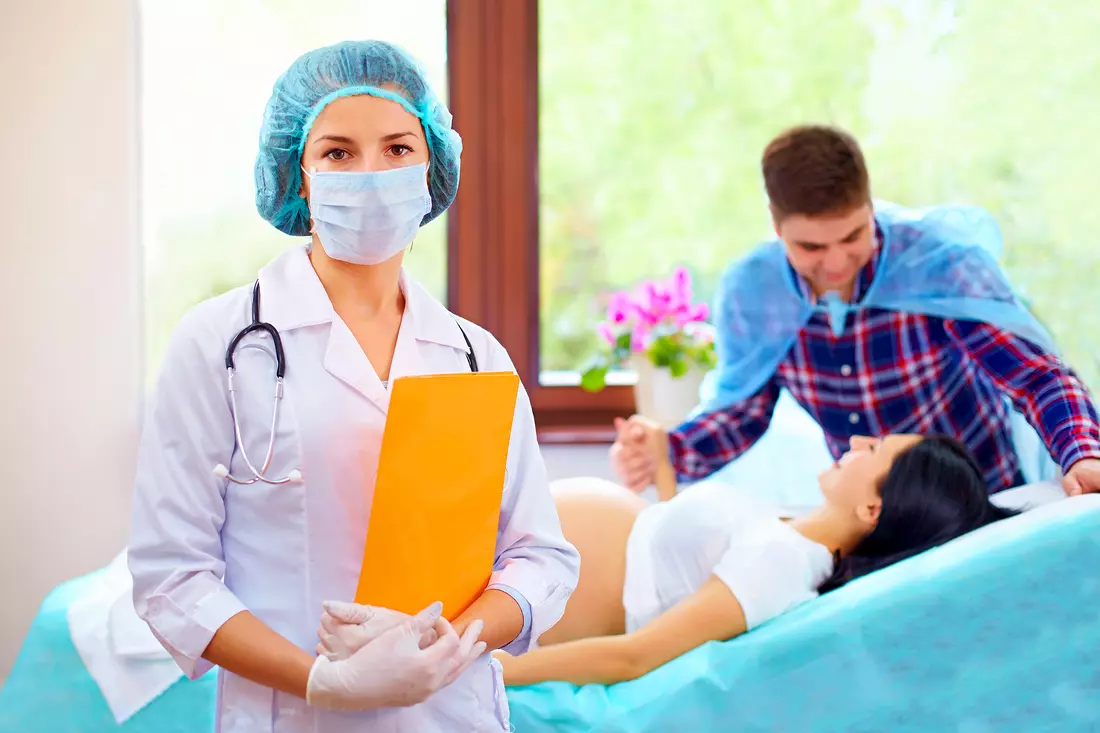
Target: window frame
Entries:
(493, 226)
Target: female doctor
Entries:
(247, 520)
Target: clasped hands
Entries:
(370, 657)
(639, 451)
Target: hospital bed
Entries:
(995, 632)
(998, 631)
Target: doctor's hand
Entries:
(1082, 477)
(636, 453)
(348, 627)
(392, 670)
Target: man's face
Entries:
(829, 250)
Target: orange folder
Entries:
(433, 521)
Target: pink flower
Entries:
(620, 308)
(699, 312)
(681, 286)
(647, 318)
(639, 338)
(656, 305)
(654, 301)
(607, 332)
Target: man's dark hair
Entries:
(813, 170)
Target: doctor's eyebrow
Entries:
(334, 139)
(397, 136)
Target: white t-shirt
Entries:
(709, 529)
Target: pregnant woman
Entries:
(658, 580)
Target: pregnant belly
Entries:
(596, 517)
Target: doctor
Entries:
(232, 570)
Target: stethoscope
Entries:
(294, 476)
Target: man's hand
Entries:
(1083, 477)
(641, 446)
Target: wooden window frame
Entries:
(493, 226)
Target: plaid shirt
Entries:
(892, 372)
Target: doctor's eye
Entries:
(399, 150)
(337, 155)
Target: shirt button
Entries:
(853, 418)
(846, 370)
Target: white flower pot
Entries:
(660, 396)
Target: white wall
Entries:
(70, 291)
(567, 461)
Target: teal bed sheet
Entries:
(996, 632)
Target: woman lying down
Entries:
(658, 580)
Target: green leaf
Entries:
(665, 350)
(594, 379)
(705, 356)
(678, 368)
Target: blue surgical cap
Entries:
(315, 80)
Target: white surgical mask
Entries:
(368, 217)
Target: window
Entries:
(608, 142)
(207, 71)
(623, 138)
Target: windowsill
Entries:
(615, 378)
(565, 414)
(577, 435)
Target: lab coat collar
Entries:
(430, 320)
(291, 296)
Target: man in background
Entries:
(877, 320)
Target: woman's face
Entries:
(852, 482)
(363, 133)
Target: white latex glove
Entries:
(348, 627)
(392, 670)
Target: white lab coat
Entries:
(203, 549)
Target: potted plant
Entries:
(658, 331)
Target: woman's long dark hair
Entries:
(933, 493)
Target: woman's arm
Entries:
(175, 553)
(712, 613)
(246, 646)
(535, 569)
(501, 614)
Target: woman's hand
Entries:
(393, 670)
(507, 662)
(348, 627)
